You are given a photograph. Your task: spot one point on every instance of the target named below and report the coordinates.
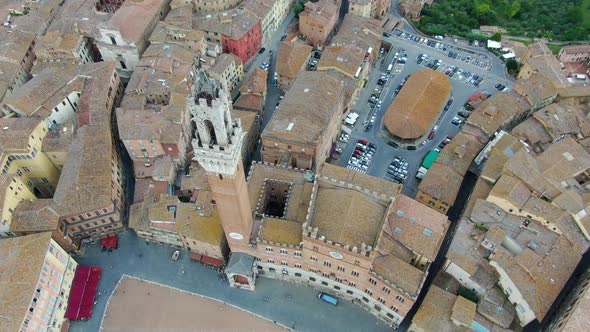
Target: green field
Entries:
(554, 48)
(555, 20)
(527, 42)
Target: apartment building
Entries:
(214, 6)
(413, 8)
(236, 31)
(227, 69)
(318, 21)
(572, 313)
(369, 8)
(538, 59)
(360, 8)
(549, 125)
(52, 98)
(125, 36)
(88, 196)
(172, 33)
(270, 12)
(292, 57)
(152, 118)
(518, 200)
(253, 92)
(38, 276)
(301, 131)
(574, 53)
(16, 60)
(58, 46)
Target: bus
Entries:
(327, 298)
(426, 163)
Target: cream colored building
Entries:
(360, 8)
(27, 172)
(37, 277)
(226, 68)
(270, 12)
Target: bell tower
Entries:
(217, 147)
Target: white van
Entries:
(389, 68)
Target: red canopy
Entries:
(110, 241)
(207, 259)
(83, 292)
(212, 261)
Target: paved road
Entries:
(152, 262)
(460, 92)
(393, 11)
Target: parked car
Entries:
(363, 141)
(411, 147)
(283, 37)
(260, 51)
(463, 114)
(431, 135)
(393, 144)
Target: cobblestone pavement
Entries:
(289, 304)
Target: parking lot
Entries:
(371, 110)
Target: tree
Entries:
(298, 6)
(514, 9)
(468, 294)
(481, 9)
(497, 37)
(512, 66)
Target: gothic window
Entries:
(211, 131)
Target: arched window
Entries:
(211, 131)
(113, 40)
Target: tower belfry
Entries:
(217, 146)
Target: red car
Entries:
(363, 141)
(358, 152)
(449, 137)
(431, 135)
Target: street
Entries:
(460, 92)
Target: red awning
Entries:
(83, 292)
(110, 241)
(212, 261)
(207, 259)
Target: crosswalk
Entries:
(356, 169)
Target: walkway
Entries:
(288, 303)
